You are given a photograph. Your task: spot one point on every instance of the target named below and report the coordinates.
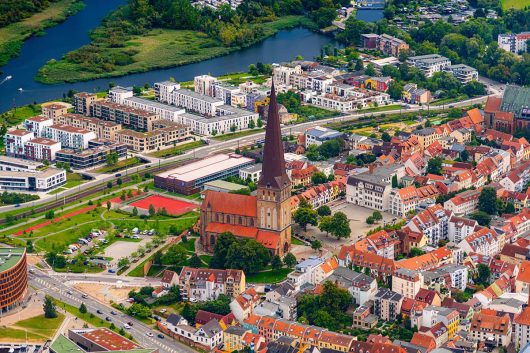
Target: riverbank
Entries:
(161, 49)
(13, 36)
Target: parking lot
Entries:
(123, 249)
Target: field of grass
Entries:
(516, 4)
(173, 151)
(160, 48)
(383, 108)
(16, 116)
(296, 241)
(123, 164)
(269, 276)
(37, 328)
(233, 135)
(13, 35)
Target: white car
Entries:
(163, 311)
(150, 334)
(126, 326)
(193, 300)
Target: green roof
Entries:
(9, 257)
(515, 99)
(64, 345)
(222, 184)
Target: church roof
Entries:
(273, 171)
(235, 204)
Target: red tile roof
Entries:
(234, 204)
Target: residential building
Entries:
(371, 189)
(37, 123)
(318, 135)
(118, 94)
(205, 85)
(426, 136)
(433, 223)
(446, 277)
(363, 319)
(407, 282)
(252, 172)
(18, 164)
(413, 94)
(242, 306)
(126, 116)
(15, 140)
(492, 329)
(91, 157)
(435, 314)
(163, 111)
(204, 284)
(387, 304)
(206, 337)
(484, 241)
(460, 228)
(164, 90)
(41, 149)
(82, 102)
(463, 73)
(46, 180)
(362, 287)
(161, 137)
(54, 109)
(429, 63)
(463, 203)
(69, 136)
(515, 43)
(13, 277)
(383, 243)
(102, 129)
(522, 327)
(391, 45)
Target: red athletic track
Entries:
(44, 224)
(172, 206)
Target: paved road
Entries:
(54, 286)
(217, 146)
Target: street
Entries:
(55, 287)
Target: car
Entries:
(84, 296)
(130, 323)
(31, 270)
(126, 326)
(149, 334)
(109, 319)
(69, 292)
(112, 270)
(160, 336)
(193, 300)
(99, 311)
(17, 205)
(163, 310)
(118, 175)
(113, 312)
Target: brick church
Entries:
(265, 217)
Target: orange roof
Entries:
(270, 240)
(423, 340)
(234, 204)
(493, 104)
(238, 231)
(475, 116)
(524, 272)
(523, 318)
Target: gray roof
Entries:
(351, 278)
(211, 328)
(236, 330)
(441, 271)
(514, 303)
(194, 94)
(387, 294)
(155, 104)
(516, 99)
(174, 319)
(253, 168)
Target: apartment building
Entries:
(413, 94)
(391, 45)
(429, 63)
(387, 304)
(18, 164)
(484, 241)
(460, 228)
(126, 116)
(282, 73)
(37, 123)
(90, 157)
(362, 287)
(318, 135)
(407, 282)
(433, 223)
(371, 189)
(43, 181)
(164, 90)
(41, 149)
(15, 140)
(463, 73)
(463, 203)
(447, 276)
(159, 138)
(492, 329)
(197, 102)
(118, 94)
(522, 328)
(164, 111)
(204, 284)
(515, 43)
(427, 136)
(53, 110)
(82, 102)
(204, 84)
(69, 136)
(103, 129)
(432, 315)
(350, 103)
(207, 126)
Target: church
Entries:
(265, 217)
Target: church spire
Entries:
(273, 174)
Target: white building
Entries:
(460, 228)
(166, 112)
(36, 124)
(484, 241)
(407, 282)
(18, 164)
(46, 180)
(40, 149)
(252, 172)
(204, 84)
(118, 94)
(429, 63)
(433, 223)
(196, 102)
(515, 43)
(360, 286)
(318, 135)
(15, 140)
(463, 72)
(69, 136)
(164, 90)
(282, 73)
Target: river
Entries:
(73, 33)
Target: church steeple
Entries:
(273, 173)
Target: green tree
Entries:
(370, 70)
(175, 256)
(319, 178)
(109, 204)
(487, 201)
(324, 210)
(276, 263)
(123, 262)
(305, 216)
(325, 224)
(340, 226)
(119, 181)
(247, 255)
(195, 261)
(50, 311)
(481, 217)
(109, 185)
(395, 90)
(316, 245)
(416, 252)
(385, 136)
(377, 216)
(394, 181)
(222, 244)
(483, 275)
(152, 210)
(135, 211)
(82, 308)
(29, 246)
(49, 214)
(140, 311)
(289, 260)
(370, 220)
(434, 166)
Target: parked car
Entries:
(149, 334)
(163, 310)
(99, 311)
(126, 326)
(108, 319)
(113, 312)
(160, 335)
(84, 296)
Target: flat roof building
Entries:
(13, 277)
(189, 178)
(46, 180)
(18, 164)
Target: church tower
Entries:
(274, 186)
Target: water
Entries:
(73, 33)
(368, 15)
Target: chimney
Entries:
(371, 168)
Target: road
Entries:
(216, 147)
(55, 287)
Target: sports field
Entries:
(172, 206)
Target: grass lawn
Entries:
(16, 116)
(160, 48)
(516, 4)
(269, 276)
(37, 328)
(73, 179)
(233, 135)
(173, 151)
(383, 108)
(205, 259)
(13, 35)
(295, 241)
(449, 100)
(123, 164)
